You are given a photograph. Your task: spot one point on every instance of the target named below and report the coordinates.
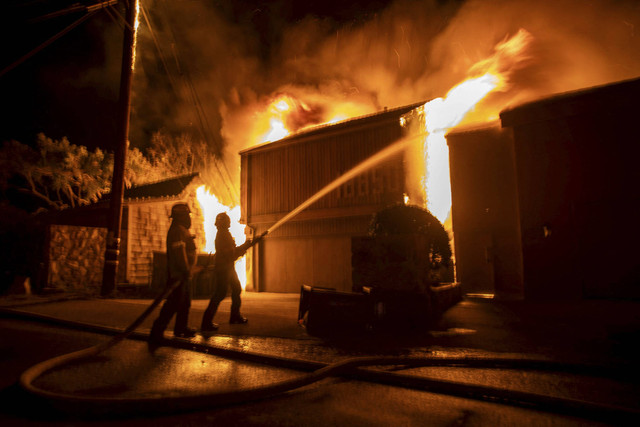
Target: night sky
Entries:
(70, 87)
(235, 55)
(52, 91)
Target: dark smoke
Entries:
(236, 60)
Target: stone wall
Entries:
(76, 254)
(76, 257)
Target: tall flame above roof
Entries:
(441, 114)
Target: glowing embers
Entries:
(210, 208)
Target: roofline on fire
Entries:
(322, 129)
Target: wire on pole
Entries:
(204, 127)
(46, 43)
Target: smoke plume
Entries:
(227, 66)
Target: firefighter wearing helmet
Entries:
(225, 274)
(181, 266)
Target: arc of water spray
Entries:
(392, 149)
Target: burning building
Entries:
(314, 248)
(545, 201)
(405, 154)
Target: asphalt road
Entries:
(392, 395)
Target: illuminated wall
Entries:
(314, 247)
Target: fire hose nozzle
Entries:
(257, 239)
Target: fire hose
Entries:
(27, 378)
(352, 368)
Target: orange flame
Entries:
(279, 115)
(210, 208)
(277, 131)
(442, 114)
(276, 115)
(287, 114)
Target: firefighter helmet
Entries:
(180, 210)
(223, 220)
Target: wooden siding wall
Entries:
(277, 180)
(314, 247)
(290, 263)
(148, 225)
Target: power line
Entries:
(114, 18)
(73, 9)
(122, 18)
(46, 43)
(203, 124)
(158, 48)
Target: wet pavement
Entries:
(599, 334)
(596, 331)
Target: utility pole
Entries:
(110, 271)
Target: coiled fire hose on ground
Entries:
(351, 368)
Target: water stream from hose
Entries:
(387, 152)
